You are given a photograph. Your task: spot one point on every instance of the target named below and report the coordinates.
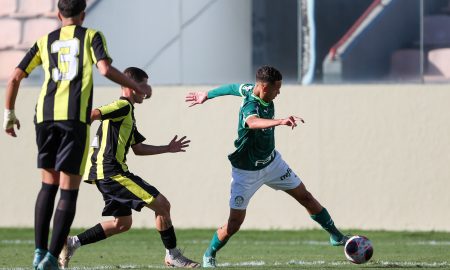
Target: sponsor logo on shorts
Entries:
(238, 201)
(269, 158)
(286, 175)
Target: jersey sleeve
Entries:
(115, 111)
(99, 50)
(31, 60)
(137, 137)
(224, 90)
(248, 109)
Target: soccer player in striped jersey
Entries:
(256, 162)
(123, 191)
(62, 118)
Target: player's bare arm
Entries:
(106, 69)
(255, 122)
(174, 146)
(196, 98)
(9, 118)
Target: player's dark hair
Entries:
(268, 74)
(71, 8)
(136, 74)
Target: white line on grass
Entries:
(263, 263)
(17, 242)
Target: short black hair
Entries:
(71, 8)
(136, 74)
(268, 74)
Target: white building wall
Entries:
(376, 156)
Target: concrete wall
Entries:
(376, 156)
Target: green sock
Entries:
(214, 246)
(324, 219)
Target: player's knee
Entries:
(161, 206)
(164, 203)
(122, 225)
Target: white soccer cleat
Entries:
(175, 258)
(209, 262)
(67, 253)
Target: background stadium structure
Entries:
(221, 41)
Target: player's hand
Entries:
(178, 146)
(146, 89)
(9, 120)
(196, 98)
(292, 121)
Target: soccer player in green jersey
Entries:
(123, 191)
(62, 118)
(255, 162)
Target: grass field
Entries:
(273, 249)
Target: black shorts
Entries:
(124, 192)
(62, 145)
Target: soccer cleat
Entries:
(66, 253)
(209, 261)
(341, 242)
(39, 254)
(49, 262)
(176, 259)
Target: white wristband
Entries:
(9, 118)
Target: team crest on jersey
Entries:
(238, 201)
(247, 87)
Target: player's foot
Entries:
(209, 261)
(175, 258)
(39, 254)
(66, 253)
(49, 262)
(340, 242)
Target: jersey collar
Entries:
(125, 98)
(260, 100)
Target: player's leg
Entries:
(222, 235)
(70, 161)
(244, 184)
(43, 213)
(174, 257)
(318, 213)
(284, 178)
(63, 218)
(97, 233)
(47, 140)
(115, 196)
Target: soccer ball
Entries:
(358, 249)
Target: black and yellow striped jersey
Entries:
(67, 56)
(117, 132)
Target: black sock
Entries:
(64, 215)
(168, 238)
(43, 214)
(92, 235)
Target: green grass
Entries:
(272, 249)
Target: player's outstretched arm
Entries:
(255, 122)
(224, 90)
(106, 69)
(174, 146)
(9, 117)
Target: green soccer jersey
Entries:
(254, 147)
